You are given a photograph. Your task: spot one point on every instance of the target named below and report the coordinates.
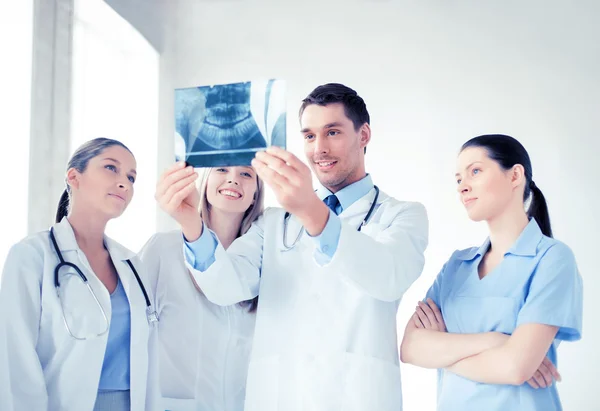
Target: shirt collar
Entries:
(349, 194)
(526, 244)
(65, 238)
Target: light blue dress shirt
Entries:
(536, 282)
(329, 238)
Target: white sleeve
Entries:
(22, 383)
(234, 276)
(384, 266)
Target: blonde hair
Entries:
(250, 215)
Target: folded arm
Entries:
(427, 344)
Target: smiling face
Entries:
(231, 189)
(106, 184)
(333, 147)
(486, 189)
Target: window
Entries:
(115, 95)
(16, 37)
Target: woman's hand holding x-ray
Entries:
(291, 181)
(178, 196)
(428, 316)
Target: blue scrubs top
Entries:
(536, 282)
(116, 365)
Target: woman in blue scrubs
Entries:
(493, 319)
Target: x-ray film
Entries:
(226, 124)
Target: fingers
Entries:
(171, 169)
(181, 195)
(539, 379)
(170, 177)
(275, 162)
(174, 193)
(268, 175)
(287, 157)
(428, 312)
(416, 321)
(546, 374)
(552, 368)
(436, 311)
(533, 384)
(423, 317)
(179, 185)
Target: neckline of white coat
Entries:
(65, 237)
(362, 205)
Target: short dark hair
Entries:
(354, 106)
(331, 93)
(507, 152)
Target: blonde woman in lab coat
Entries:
(67, 343)
(330, 267)
(204, 347)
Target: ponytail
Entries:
(63, 206)
(251, 305)
(538, 209)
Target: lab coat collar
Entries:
(65, 237)
(349, 194)
(116, 250)
(526, 244)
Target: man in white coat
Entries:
(329, 268)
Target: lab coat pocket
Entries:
(262, 386)
(481, 314)
(371, 384)
(177, 404)
(373, 229)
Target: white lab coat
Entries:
(325, 336)
(204, 347)
(41, 366)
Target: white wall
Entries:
(433, 74)
(16, 34)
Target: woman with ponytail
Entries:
(493, 319)
(76, 323)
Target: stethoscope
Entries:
(151, 314)
(299, 236)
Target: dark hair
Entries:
(79, 161)
(508, 152)
(250, 305)
(354, 106)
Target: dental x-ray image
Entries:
(226, 124)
